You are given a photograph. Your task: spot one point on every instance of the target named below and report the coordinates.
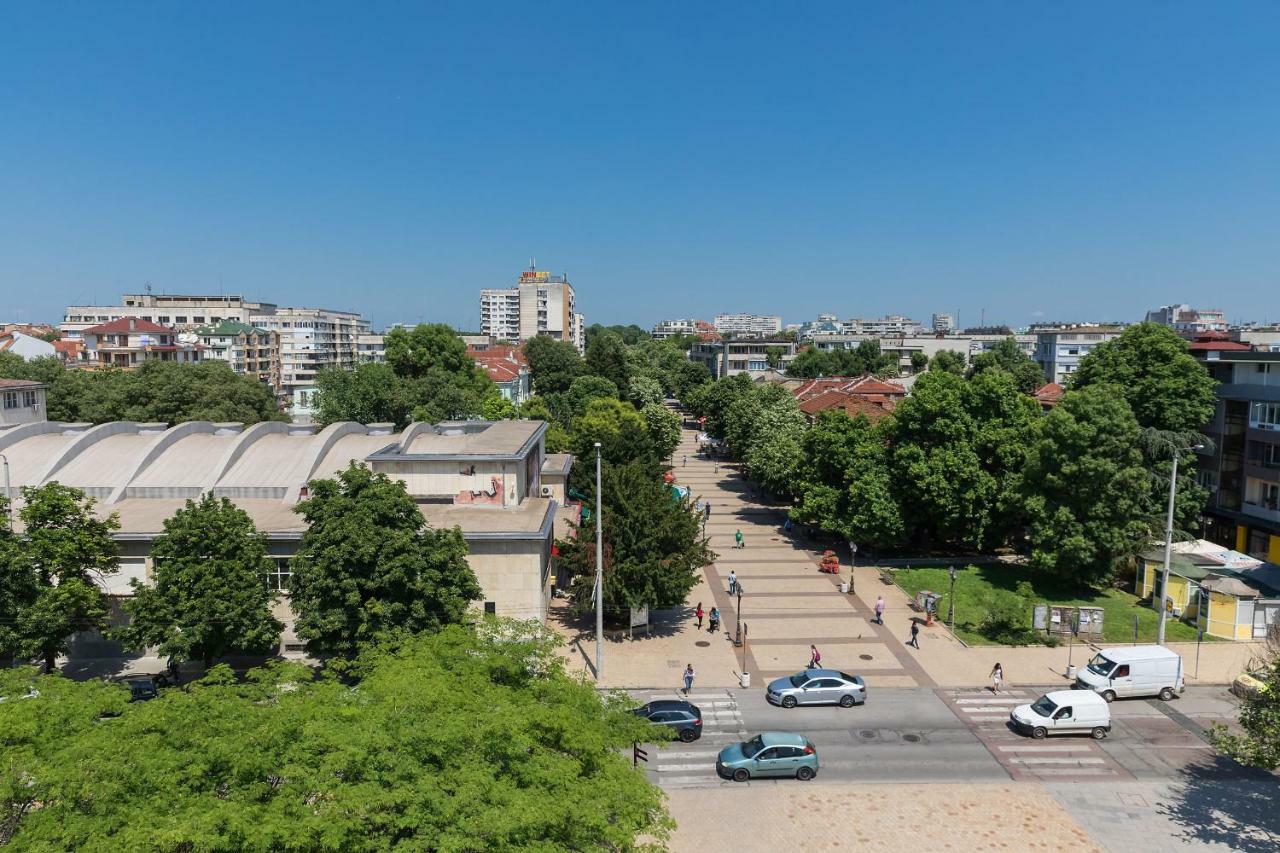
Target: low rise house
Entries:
(130, 342)
(25, 346)
(21, 402)
(1224, 592)
(507, 367)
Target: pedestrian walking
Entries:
(698, 613)
(815, 657)
(733, 581)
(688, 679)
(997, 678)
(737, 538)
(707, 509)
(717, 467)
(915, 634)
(685, 461)
(714, 619)
(879, 609)
(786, 525)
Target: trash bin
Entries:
(1071, 672)
(744, 679)
(844, 587)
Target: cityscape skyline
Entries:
(928, 160)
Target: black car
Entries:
(142, 688)
(676, 714)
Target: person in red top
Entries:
(698, 613)
(815, 657)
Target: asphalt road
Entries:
(948, 735)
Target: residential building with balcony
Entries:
(681, 328)
(371, 349)
(943, 324)
(248, 350)
(1187, 321)
(130, 342)
(21, 402)
(311, 339)
(1242, 467)
(1059, 350)
(182, 312)
(900, 346)
(540, 304)
(757, 325)
(746, 355)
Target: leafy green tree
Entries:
(664, 429)
(919, 361)
(623, 435)
(773, 356)
(497, 408)
(427, 347)
(688, 376)
(1085, 488)
(1258, 742)
(63, 553)
(644, 391)
(587, 388)
(947, 361)
(209, 595)
(1006, 355)
(654, 550)
(607, 358)
(462, 740)
(553, 364)
(776, 452)
(713, 403)
(630, 334)
(1166, 387)
(1004, 420)
(368, 565)
(444, 396)
(556, 437)
(372, 393)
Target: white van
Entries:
(1063, 712)
(1133, 671)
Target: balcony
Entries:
(1268, 511)
(1264, 432)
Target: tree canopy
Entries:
(947, 361)
(368, 565)
(553, 364)
(865, 358)
(1006, 355)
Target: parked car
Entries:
(769, 754)
(141, 687)
(817, 687)
(1064, 712)
(1133, 671)
(683, 718)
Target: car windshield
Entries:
(1044, 706)
(799, 679)
(1101, 666)
(751, 747)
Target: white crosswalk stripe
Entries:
(682, 765)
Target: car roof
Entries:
(670, 705)
(1075, 697)
(1129, 654)
(824, 673)
(782, 739)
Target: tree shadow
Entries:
(1218, 801)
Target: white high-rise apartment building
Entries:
(944, 323)
(183, 312)
(748, 324)
(312, 339)
(539, 304)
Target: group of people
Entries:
(713, 621)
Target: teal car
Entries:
(769, 754)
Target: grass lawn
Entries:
(975, 584)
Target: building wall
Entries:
(515, 575)
(437, 479)
(180, 311)
(22, 406)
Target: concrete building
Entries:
(179, 311)
(1264, 338)
(757, 325)
(21, 402)
(1059, 350)
(539, 304)
(26, 346)
(370, 348)
(249, 351)
(943, 324)
(892, 325)
(681, 328)
(1242, 468)
(484, 478)
(750, 355)
(131, 341)
(983, 341)
(311, 339)
(1187, 321)
(901, 346)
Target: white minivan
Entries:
(1063, 712)
(1133, 671)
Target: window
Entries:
(1122, 671)
(29, 399)
(1063, 713)
(11, 399)
(277, 579)
(1265, 415)
(492, 606)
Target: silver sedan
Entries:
(818, 687)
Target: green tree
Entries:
(461, 740)
(58, 562)
(1085, 488)
(426, 348)
(654, 550)
(607, 358)
(1004, 420)
(623, 435)
(536, 409)
(497, 408)
(687, 376)
(553, 364)
(368, 564)
(664, 429)
(1006, 355)
(919, 361)
(644, 391)
(209, 595)
(947, 361)
(773, 356)
(776, 452)
(371, 393)
(587, 388)
(1166, 387)
(1258, 742)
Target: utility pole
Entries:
(599, 576)
(8, 498)
(1168, 544)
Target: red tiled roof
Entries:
(864, 385)
(20, 383)
(1219, 346)
(128, 324)
(68, 347)
(502, 362)
(1049, 394)
(850, 404)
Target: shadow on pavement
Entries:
(1220, 802)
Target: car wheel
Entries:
(1039, 732)
(1166, 695)
(741, 775)
(1098, 732)
(1108, 696)
(688, 735)
(804, 774)
(788, 701)
(846, 701)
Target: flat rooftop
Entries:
(474, 438)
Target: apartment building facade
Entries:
(759, 325)
(1059, 351)
(131, 341)
(540, 304)
(682, 328)
(1242, 467)
(749, 355)
(311, 339)
(1187, 321)
(371, 349)
(182, 312)
(248, 350)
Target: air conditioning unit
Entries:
(547, 491)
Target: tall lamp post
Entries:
(1168, 542)
(8, 498)
(853, 561)
(599, 576)
(951, 600)
(737, 634)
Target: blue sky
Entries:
(1070, 161)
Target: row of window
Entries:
(20, 399)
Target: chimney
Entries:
(133, 324)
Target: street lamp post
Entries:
(853, 561)
(951, 601)
(1168, 544)
(737, 634)
(8, 498)
(599, 576)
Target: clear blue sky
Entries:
(1070, 160)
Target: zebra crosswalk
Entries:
(1061, 759)
(686, 765)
